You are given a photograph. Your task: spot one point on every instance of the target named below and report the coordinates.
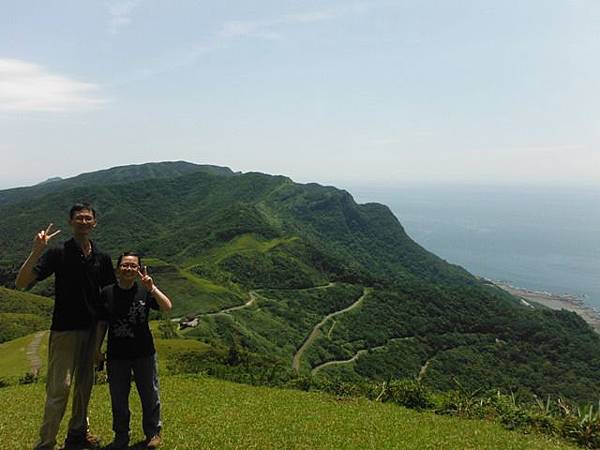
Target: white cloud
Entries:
(120, 14)
(267, 28)
(27, 87)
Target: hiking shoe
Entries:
(89, 441)
(154, 441)
(120, 442)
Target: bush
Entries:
(408, 393)
(582, 427)
(167, 329)
(28, 378)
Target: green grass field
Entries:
(203, 413)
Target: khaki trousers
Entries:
(70, 362)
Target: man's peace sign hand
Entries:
(40, 241)
(146, 279)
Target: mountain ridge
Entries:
(213, 239)
(114, 174)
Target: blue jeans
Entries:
(145, 374)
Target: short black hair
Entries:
(80, 207)
(129, 253)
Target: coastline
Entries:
(554, 301)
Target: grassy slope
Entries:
(192, 294)
(13, 358)
(202, 413)
(22, 313)
(14, 362)
(13, 301)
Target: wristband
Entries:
(153, 290)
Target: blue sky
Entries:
(499, 92)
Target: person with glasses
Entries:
(80, 270)
(125, 307)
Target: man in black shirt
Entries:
(80, 271)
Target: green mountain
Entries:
(305, 278)
(115, 175)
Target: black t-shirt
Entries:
(126, 311)
(78, 280)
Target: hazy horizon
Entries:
(537, 238)
(349, 185)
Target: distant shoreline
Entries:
(551, 300)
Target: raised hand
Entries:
(40, 241)
(146, 279)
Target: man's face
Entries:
(82, 222)
(128, 268)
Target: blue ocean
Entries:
(545, 239)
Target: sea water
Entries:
(539, 238)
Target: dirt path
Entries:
(325, 286)
(339, 362)
(331, 329)
(356, 356)
(192, 323)
(234, 308)
(313, 334)
(32, 352)
(423, 370)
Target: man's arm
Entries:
(26, 273)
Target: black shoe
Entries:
(88, 441)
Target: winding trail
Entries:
(340, 361)
(331, 329)
(32, 352)
(324, 286)
(192, 323)
(423, 370)
(253, 295)
(234, 308)
(313, 334)
(358, 354)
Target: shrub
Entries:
(408, 393)
(28, 378)
(167, 329)
(582, 427)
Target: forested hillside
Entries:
(305, 279)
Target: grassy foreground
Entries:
(204, 413)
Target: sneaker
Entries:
(154, 441)
(89, 441)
